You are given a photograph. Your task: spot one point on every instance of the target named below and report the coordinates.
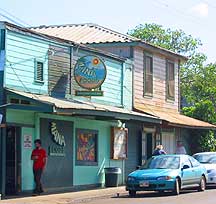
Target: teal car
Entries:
(168, 173)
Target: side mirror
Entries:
(185, 167)
(137, 167)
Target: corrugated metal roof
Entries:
(81, 105)
(85, 33)
(93, 34)
(23, 30)
(176, 119)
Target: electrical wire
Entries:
(13, 16)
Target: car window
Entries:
(162, 162)
(194, 162)
(186, 161)
(206, 158)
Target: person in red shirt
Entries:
(39, 157)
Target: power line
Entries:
(10, 19)
(13, 16)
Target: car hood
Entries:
(209, 166)
(154, 172)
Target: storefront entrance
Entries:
(13, 160)
(57, 137)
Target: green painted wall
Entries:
(81, 174)
(26, 169)
(90, 174)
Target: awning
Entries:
(175, 118)
(78, 107)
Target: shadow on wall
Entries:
(60, 88)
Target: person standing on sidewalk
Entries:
(39, 157)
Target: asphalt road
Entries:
(186, 197)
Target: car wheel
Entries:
(176, 190)
(132, 193)
(202, 184)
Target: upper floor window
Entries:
(170, 72)
(39, 71)
(148, 75)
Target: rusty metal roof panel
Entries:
(94, 34)
(174, 118)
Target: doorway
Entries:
(13, 160)
(149, 140)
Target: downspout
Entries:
(71, 64)
(122, 83)
(3, 112)
(179, 90)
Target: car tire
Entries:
(202, 184)
(177, 187)
(132, 193)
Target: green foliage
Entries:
(174, 40)
(208, 142)
(198, 81)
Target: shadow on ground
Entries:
(155, 194)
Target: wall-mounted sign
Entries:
(119, 143)
(27, 141)
(90, 72)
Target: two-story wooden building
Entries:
(156, 89)
(75, 98)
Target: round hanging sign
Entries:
(90, 72)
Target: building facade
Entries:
(156, 89)
(76, 99)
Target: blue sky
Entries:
(195, 17)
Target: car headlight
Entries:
(164, 178)
(131, 179)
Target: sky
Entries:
(195, 17)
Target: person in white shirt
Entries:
(180, 149)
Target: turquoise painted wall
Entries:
(26, 170)
(90, 174)
(117, 86)
(25, 118)
(81, 174)
(21, 53)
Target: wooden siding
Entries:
(159, 83)
(21, 53)
(122, 51)
(59, 71)
(112, 86)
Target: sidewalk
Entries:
(68, 198)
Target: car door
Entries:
(197, 169)
(188, 175)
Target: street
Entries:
(187, 197)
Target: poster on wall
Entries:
(27, 141)
(86, 147)
(119, 143)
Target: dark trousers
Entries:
(37, 179)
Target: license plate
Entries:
(144, 184)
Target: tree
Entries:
(197, 79)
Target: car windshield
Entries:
(162, 162)
(206, 158)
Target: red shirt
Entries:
(39, 162)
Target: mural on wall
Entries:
(86, 147)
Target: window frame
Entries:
(145, 93)
(35, 74)
(168, 97)
(84, 162)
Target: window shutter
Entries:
(148, 75)
(39, 72)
